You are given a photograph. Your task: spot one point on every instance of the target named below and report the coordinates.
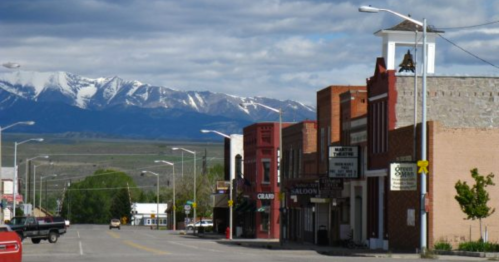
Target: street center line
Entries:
(114, 235)
(81, 249)
(156, 251)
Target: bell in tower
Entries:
(408, 63)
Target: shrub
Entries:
(479, 246)
(443, 246)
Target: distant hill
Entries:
(61, 102)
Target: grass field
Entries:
(75, 158)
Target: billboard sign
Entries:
(344, 162)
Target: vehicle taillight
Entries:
(7, 247)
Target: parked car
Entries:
(11, 248)
(42, 228)
(67, 222)
(202, 223)
(115, 223)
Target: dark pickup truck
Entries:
(44, 228)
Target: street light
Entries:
(15, 170)
(174, 202)
(28, 123)
(26, 176)
(279, 111)
(34, 185)
(230, 188)
(11, 65)
(370, 9)
(194, 204)
(157, 195)
(41, 181)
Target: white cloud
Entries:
(287, 49)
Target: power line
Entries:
(468, 52)
(466, 27)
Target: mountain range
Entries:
(61, 102)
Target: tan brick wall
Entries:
(455, 153)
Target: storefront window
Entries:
(264, 214)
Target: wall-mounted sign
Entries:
(344, 161)
(265, 196)
(330, 187)
(305, 189)
(403, 176)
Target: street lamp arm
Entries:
(164, 162)
(186, 150)
(216, 132)
(28, 123)
(29, 140)
(370, 9)
(262, 105)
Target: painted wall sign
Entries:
(265, 196)
(403, 176)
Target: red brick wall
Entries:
(400, 235)
(328, 115)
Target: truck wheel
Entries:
(35, 240)
(53, 237)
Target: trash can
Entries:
(322, 239)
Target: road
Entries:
(98, 243)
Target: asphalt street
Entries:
(98, 243)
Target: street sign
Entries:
(187, 212)
(230, 203)
(194, 204)
(153, 215)
(187, 207)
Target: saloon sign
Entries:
(305, 189)
(343, 162)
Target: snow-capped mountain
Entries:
(101, 96)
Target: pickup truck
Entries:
(45, 228)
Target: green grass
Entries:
(75, 158)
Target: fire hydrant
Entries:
(227, 233)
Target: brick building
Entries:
(462, 131)
(260, 218)
(299, 180)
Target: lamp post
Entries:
(370, 9)
(282, 198)
(28, 123)
(41, 181)
(194, 204)
(26, 187)
(174, 208)
(157, 195)
(34, 184)
(15, 171)
(231, 202)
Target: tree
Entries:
(473, 200)
(99, 197)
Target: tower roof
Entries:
(407, 25)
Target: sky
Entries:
(282, 49)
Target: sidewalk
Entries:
(332, 251)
